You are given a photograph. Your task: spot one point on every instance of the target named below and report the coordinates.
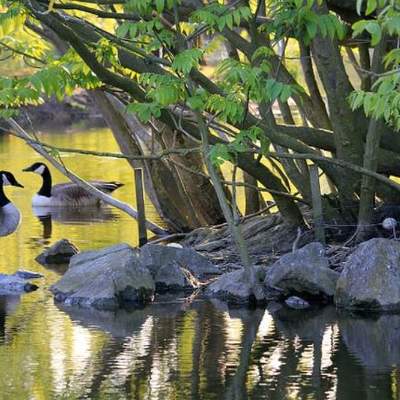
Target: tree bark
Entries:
(298, 174)
(348, 127)
(251, 195)
(186, 201)
(367, 194)
(365, 63)
(312, 85)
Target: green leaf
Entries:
(376, 33)
(219, 153)
(160, 4)
(371, 7)
(195, 102)
(262, 51)
(144, 111)
(186, 60)
(372, 27)
(123, 29)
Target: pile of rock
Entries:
(122, 275)
(370, 279)
(118, 275)
(304, 273)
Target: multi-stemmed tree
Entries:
(180, 116)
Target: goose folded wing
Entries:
(72, 194)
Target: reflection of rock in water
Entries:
(120, 323)
(72, 216)
(375, 342)
(8, 304)
(307, 325)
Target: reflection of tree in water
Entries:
(8, 305)
(307, 329)
(369, 351)
(236, 386)
(177, 351)
(2, 325)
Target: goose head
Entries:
(8, 179)
(37, 168)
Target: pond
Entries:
(176, 349)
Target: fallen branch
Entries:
(35, 145)
(168, 238)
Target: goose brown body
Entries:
(66, 194)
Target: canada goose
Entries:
(10, 216)
(65, 194)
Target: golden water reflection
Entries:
(167, 351)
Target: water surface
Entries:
(178, 349)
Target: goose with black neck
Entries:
(65, 194)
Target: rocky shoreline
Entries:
(291, 269)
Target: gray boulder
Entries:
(304, 272)
(172, 277)
(59, 253)
(370, 279)
(155, 256)
(105, 279)
(234, 287)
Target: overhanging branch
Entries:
(21, 133)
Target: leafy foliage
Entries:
(300, 18)
(12, 19)
(145, 111)
(186, 60)
(155, 31)
(163, 90)
(383, 101)
(220, 16)
(220, 153)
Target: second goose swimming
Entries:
(66, 194)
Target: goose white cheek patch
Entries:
(6, 181)
(39, 170)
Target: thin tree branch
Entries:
(21, 53)
(340, 163)
(159, 156)
(21, 133)
(94, 11)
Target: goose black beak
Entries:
(27, 169)
(18, 185)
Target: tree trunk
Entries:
(348, 127)
(312, 85)
(251, 195)
(298, 175)
(367, 195)
(197, 187)
(162, 186)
